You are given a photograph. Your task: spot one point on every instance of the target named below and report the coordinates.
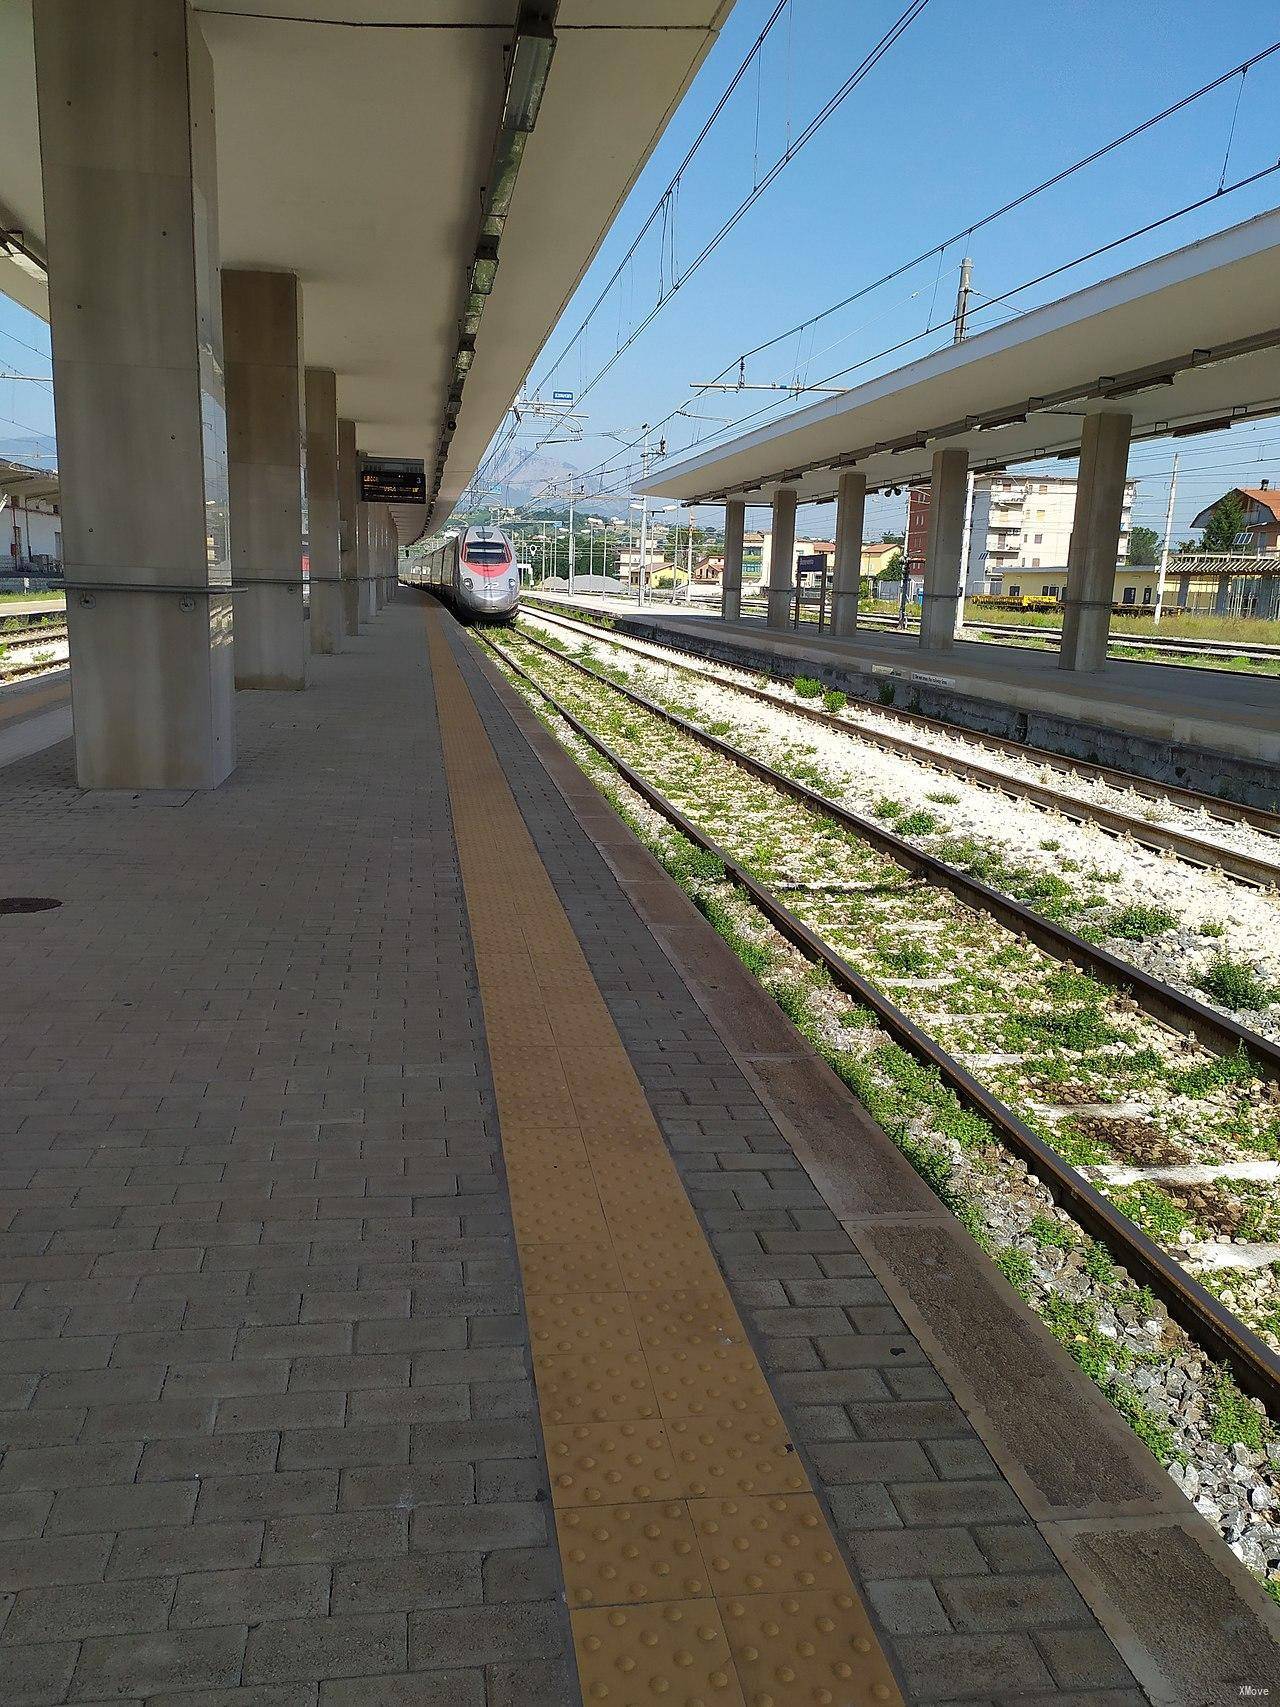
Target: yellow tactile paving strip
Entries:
(700, 1569)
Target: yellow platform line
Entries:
(700, 1568)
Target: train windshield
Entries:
(486, 555)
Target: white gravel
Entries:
(52, 652)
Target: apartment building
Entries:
(1022, 524)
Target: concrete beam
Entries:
(1095, 540)
(851, 504)
(782, 558)
(262, 321)
(126, 112)
(323, 519)
(944, 559)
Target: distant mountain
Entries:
(540, 484)
(37, 450)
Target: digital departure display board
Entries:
(392, 480)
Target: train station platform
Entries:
(434, 1272)
(1213, 729)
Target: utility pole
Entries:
(688, 586)
(642, 574)
(1164, 544)
(962, 299)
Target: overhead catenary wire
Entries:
(1027, 284)
(1239, 70)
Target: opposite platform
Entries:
(272, 1436)
(1213, 729)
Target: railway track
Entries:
(1195, 850)
(20, 672)
(812, 924)
(1215, 806)
(1258, 652)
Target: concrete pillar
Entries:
(262, 324)
(393, 556)
(735, 522)
(782, 560)
(375, 557)
(348, 525)
(380, 567)
(1095, 541)
(944, 554)
(851, 503)
(125, 95)
(323, 522)
(364, 558)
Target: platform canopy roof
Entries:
(18, 480)
(1186, 342)
(355, 143)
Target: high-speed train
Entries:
(474, 572)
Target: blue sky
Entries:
(975, 103)
(26, 407)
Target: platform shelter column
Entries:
(1095, 540)
(384, 554)
(782, 558)
(364, 558)
(376, 548)
(126, 111)
(323, 560)
(393, 557)
(944, 554)
(851, 504)
(735, 523)
(348, 525)
(262, 320)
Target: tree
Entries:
(892, 570)
(1224, 525)
(893, 539)
(1144, 547)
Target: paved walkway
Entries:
(271, 1434)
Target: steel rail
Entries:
(1227, 811)
(1263, 874)
(29, 636)
(18, 672)
(1173, 1008)
(1209, 1324)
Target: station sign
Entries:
(562, 397)
(393, 480)
(811, 563)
